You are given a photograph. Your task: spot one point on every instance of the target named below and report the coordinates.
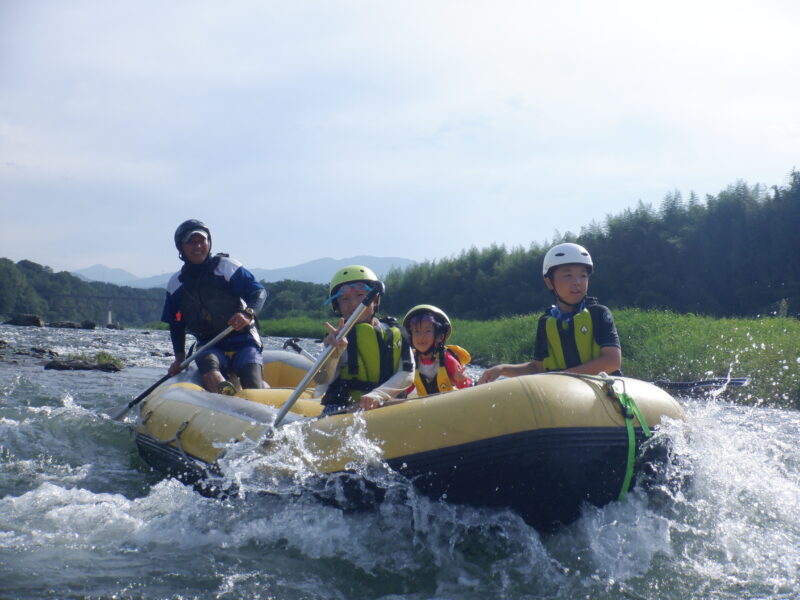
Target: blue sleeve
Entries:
(248, 289)
(170, 309)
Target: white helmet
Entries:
(566, 254)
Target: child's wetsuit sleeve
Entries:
(540, 344)
(605, 331)
(451, 364)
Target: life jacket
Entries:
(206, 302)
(441, 382)
(570, 342)
(374, 353)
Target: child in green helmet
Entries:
(371, 366)
(575, 335)
(438, 368)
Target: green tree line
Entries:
(733, 254)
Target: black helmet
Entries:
(187, 229)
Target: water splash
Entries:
(82, 517)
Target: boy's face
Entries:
(423, 336)
(352, 295)
(570, 282)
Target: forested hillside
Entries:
(734, 254)
(27, 287)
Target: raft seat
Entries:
(283, 369)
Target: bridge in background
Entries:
(110, 300)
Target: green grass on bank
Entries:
(666, 345)
(670, 346)
(655, 345)
(304, 327)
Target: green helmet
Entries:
(349, 274)
(436, 314)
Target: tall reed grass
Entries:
(666, 345)
(655, 345)
(303, 327)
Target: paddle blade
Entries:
(118, 414)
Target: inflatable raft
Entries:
(541, 445)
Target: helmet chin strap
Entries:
(430, 351)
(560, 299)
(556, 312)
(186, 261)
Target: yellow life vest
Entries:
(440, 383)
(373, 355)
(583, 334)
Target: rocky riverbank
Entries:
(50, 359)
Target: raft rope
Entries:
(630, 410)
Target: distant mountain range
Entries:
(315, 271)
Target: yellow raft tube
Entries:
(539, 444)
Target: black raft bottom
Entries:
(204, 477)
(544, 475)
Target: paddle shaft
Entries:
(348, 325)
(118, 415)
(703, 383)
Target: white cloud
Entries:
(450, 123)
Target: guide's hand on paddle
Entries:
(330, 339)
(239, 321)
(175, 367)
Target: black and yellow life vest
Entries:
(441, 382)
(570, 342)
(374, 353)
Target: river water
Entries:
(81, 516)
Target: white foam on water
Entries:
(81, 516)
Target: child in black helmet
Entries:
(207, 295)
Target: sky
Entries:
(300, 130)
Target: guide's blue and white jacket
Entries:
(202, 298)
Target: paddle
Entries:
(716, 382)
(348, 325)
(120, 413)
(292, 343)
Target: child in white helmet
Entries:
(576, 334)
